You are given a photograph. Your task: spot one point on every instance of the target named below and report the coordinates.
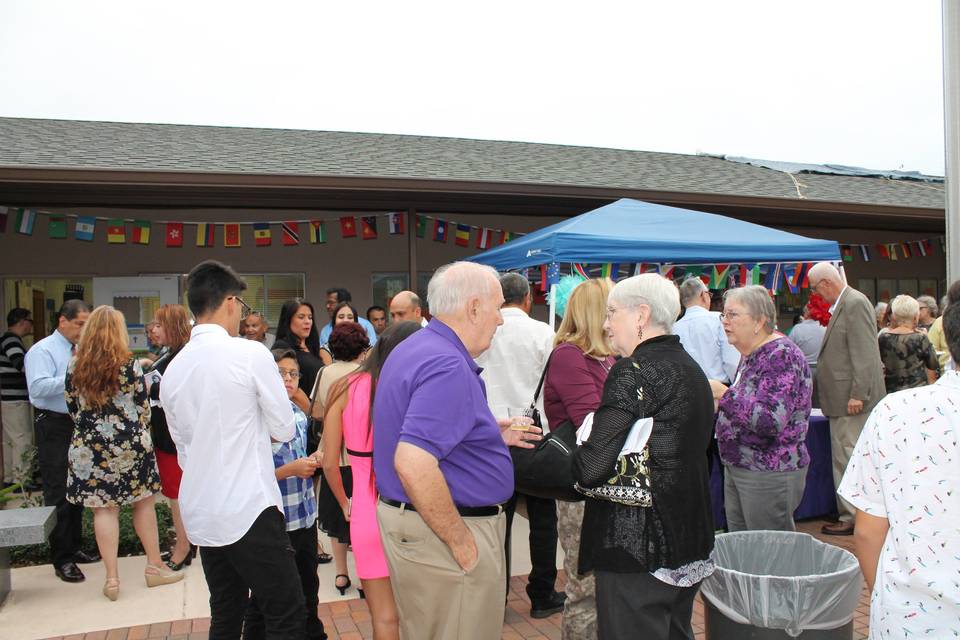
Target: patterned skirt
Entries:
(111, 465)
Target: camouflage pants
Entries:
(580, 609)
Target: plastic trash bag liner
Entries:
(783, 580)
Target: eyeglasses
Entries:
(293, 374)
(730, 315)
(245, 309)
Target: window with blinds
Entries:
(266, 293)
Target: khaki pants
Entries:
(844, 433)
(436, 599)
(580, 609)
(17, 439)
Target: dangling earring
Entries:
(640, 333)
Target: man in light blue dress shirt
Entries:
(46, 369)
(702, 336)
(335, 296)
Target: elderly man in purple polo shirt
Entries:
(442, 465)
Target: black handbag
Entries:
(546, 471)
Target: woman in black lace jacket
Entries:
(649, 560)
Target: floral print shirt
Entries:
(762, 418)
(906, 468)
(906, 358)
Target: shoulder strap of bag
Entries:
(543, 376)
(316, 389)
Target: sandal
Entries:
(111, 589)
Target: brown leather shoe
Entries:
(838, 529)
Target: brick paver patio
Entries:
(350, 619)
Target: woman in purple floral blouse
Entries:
(762, 417)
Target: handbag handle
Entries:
(316, 388)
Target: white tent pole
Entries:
(553, 307)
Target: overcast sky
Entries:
(855, 82)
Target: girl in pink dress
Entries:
(347, 422)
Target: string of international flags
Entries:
(771, 275)
(136, 231)
(894, 250)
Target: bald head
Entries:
(467, 297)
(826, 280)
(405, 306)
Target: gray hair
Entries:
(72, 308)
(653, 290)
(930, 303)
(904, 308)
(756, 300)
(452, 285)
(690, 290)
(880, 309)
(515, 287)
(825, 271)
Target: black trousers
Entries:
(542, 514)
(637, 605)
(261, 563)
(304, 543)
(54, 431)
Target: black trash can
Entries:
(772, 585)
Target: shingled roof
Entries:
(70, 144)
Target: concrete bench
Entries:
(20, 527)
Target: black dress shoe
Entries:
(82, 557)
(69, 572)
(546, 607)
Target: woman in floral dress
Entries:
(111, 460)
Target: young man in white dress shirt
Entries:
(224, 403)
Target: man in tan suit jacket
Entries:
(849, 373)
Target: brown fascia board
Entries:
(422, 192)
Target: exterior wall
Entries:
(348, 263)
(339, 262)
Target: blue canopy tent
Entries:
(632, 231)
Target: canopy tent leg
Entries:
(553, 308)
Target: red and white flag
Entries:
(485, 238)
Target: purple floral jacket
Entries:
(763, 417)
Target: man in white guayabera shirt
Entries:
(224, 403)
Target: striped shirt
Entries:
(13, 381)
(299, 503)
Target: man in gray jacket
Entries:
(849, 380)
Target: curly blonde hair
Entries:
(102, 350)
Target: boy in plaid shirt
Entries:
(295, 467)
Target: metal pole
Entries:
(553, 307)
(951, 116)
(412, 248)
